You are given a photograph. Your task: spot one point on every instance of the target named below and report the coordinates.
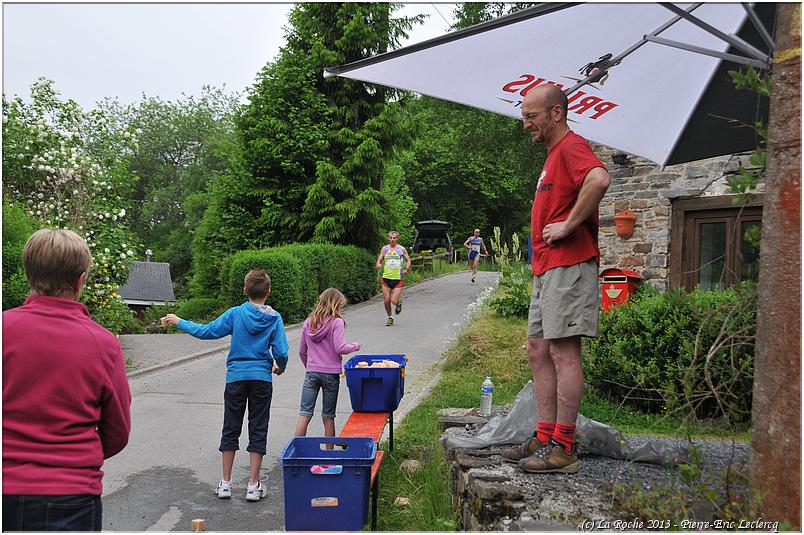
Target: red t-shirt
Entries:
(567, 165)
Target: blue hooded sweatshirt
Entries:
(254, 328)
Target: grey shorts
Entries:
(565, 302)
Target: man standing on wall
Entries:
(565, 301)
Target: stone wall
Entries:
(644, 188)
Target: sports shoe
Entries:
(390, 322)
(223, 490)
(554, 459)
(473, 278)
(530, 447)
(399, 307)
(253, 494)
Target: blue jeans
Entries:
(66, 512)
(258, 396)
(328, 383)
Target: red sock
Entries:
(565, 435)
(544, 431)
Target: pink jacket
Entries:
(321, 351)
(66, 398)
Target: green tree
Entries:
(182, 144)
(318, 150)
(471, 13)
(473, 168)
(228, 223)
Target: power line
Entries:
(442, 16)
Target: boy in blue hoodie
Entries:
(254, 327)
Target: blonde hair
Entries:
(330, 305)
(54, 260)
(257, 284)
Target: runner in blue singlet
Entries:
(474, 244)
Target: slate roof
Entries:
(148, 282)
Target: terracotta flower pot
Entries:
(624, 224)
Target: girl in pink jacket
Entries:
(321, 347)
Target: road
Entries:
(166, 475)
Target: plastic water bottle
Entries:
(486, 393)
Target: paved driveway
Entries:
(165, 477)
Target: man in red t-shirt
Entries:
(564, 305)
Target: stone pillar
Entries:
(776, 443)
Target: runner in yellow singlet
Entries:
(394, 263)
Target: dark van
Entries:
(430, 235)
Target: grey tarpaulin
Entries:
(591, 436)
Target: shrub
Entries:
(515, 277)
(516, 280)
(299, 273)
(198, 309)
(687, 353)
(17, 228)
(345, 267)
(352, 272)
(116, 317)
(314, 262)
(287, 281)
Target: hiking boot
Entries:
(399, 307)
(530, 447)
(390, 322)
(253, 494)
(554, 459)
(223, 490)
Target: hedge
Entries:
(287, 281)
(646, 354)
(312, 268)
(198, 309)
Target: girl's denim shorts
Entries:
(328, 383)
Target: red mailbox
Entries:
(618, 284)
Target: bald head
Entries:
(544, 114)
(547, 96)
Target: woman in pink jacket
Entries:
(321, 347)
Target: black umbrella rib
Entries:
(763, 32)
(616, 60)
(739, 44)
(513, 18)
(740, 60)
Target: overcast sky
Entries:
(94, 51)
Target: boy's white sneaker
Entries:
(224, 489)
(253, 494)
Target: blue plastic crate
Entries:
(327, 490)
(375, 389)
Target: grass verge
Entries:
(437, 267)
(491, 345)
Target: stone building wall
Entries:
(646, 189)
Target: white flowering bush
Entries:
(69, 169)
